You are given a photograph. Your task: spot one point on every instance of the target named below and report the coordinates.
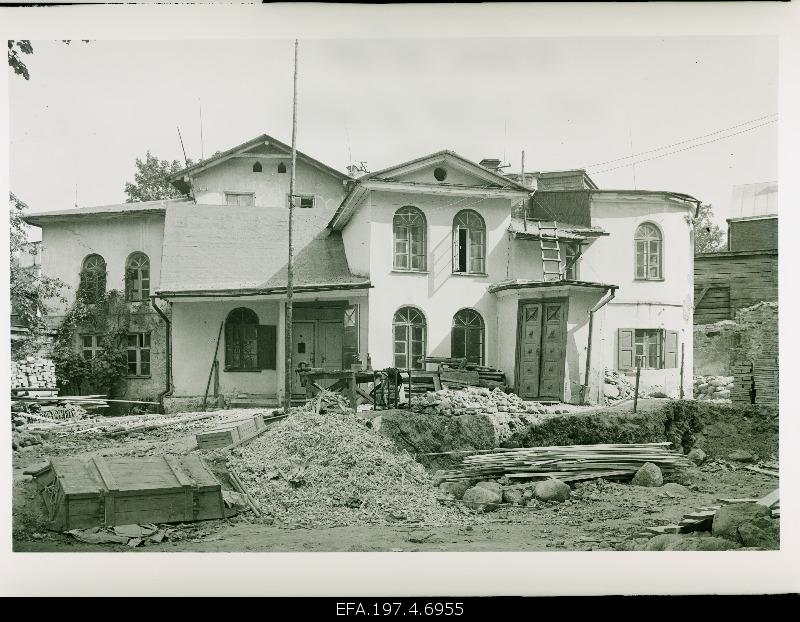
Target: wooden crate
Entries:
(233, 433)
(89, 492)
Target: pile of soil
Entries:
(331, 469)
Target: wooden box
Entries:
(239, 431)
(81, 492)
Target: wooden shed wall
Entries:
(735, 280)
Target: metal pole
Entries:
(289, 371)
(683, 345)
(638, 372)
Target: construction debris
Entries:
(35, 373)
(475, 400)
(617, 387)
(568, 463)
(713, 388)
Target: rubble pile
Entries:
(21, 436)
(477, 400)
(329, 469)
(33, 372)
(617, 387)
(713, 388)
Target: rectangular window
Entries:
(571, 260)
(138, 282)
(303, 201)
(138, 354)
(90, 346)
(648, 347)
(469, 251)
(247, 199)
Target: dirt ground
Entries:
(599, 516)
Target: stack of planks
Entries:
(765, 379)
(742, 391)
(567, 463)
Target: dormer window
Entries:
(257, 167)
(281, 168)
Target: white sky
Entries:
(90, 109)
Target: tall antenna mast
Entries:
(289, 372)
(200, 103)
(186, 162)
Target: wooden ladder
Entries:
(551, 251)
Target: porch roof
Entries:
(519, 284)
(225, 250)
(529, 230)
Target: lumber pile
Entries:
(567, 463)
(765, 380)
(33, 373)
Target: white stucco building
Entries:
(435, 257)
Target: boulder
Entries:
(482, 499)
(512, 496)
(491, 485)
(727, 519)
(741, 455)
(648, 475)
(457, 489)
(760, 532)
(551, 490)
(611, 391)
(697, 455)
(725, 394)
(527, 496)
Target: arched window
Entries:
(137, 277)
(241, 340)
(469, 243)
(257, 167)
(93, 278)
(410, 239)
(409, 338)
(281, 168)
(648, 252)
(467, 337)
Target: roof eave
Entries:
(260, 291)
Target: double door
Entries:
(541, 349)
(317, 343)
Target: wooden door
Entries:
(551, 377)
(330, 344)
(530, 341)
(303, 349)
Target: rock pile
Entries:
(617, 387)
(476, 400)
(713, 388)
(21, 437)
(330, 469)
(34, 372)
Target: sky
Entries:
(89, 110)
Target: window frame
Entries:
(136, 284)
(94, 348)
(231, 193)
(302, 197)
(468, 328)
(138, 349)
(644, 337)
(647, 253)
(398, 321)
(575, 247)
(98, 274)
(469, 243)
(237, 330)
(421, 239)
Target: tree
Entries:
(150, 180)
(30, 292)
(707, 235)
(15, 51)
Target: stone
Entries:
(527, 495)
(648, 475)
(418, 537)
(551, 490)
(491, 485)
(741, 455)
(723, 395)
(482, 499)
(660, 542)
(512, 496)
(672, 488)
(760, 532)
(686, 477)
(701, 543)
(611, 391)
(697, 455)
(727, 519)
(457, 488)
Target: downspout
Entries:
(597, 307)
(169, 388)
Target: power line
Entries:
(663, 155)
(687, 140)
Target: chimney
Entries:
(357, 170)
(493, 164)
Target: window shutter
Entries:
(267, 345)
(625, 348)
(456, 267)
(229, 343)
(350, 338)
(670, 349)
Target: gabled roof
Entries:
(219, 250)
(493, 178)
(263, 140)
(139, 207)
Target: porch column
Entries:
(280, 366)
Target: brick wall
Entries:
(749, 235)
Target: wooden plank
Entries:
(762, 471)
(771, 499)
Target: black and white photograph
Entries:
(298, 293)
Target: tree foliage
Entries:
(150, 180)
(31, 293)
(16, 49)
(707, 235)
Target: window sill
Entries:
(138, 377)
(401, 271)
(638, 280)
(479, 274)
(243, 371)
